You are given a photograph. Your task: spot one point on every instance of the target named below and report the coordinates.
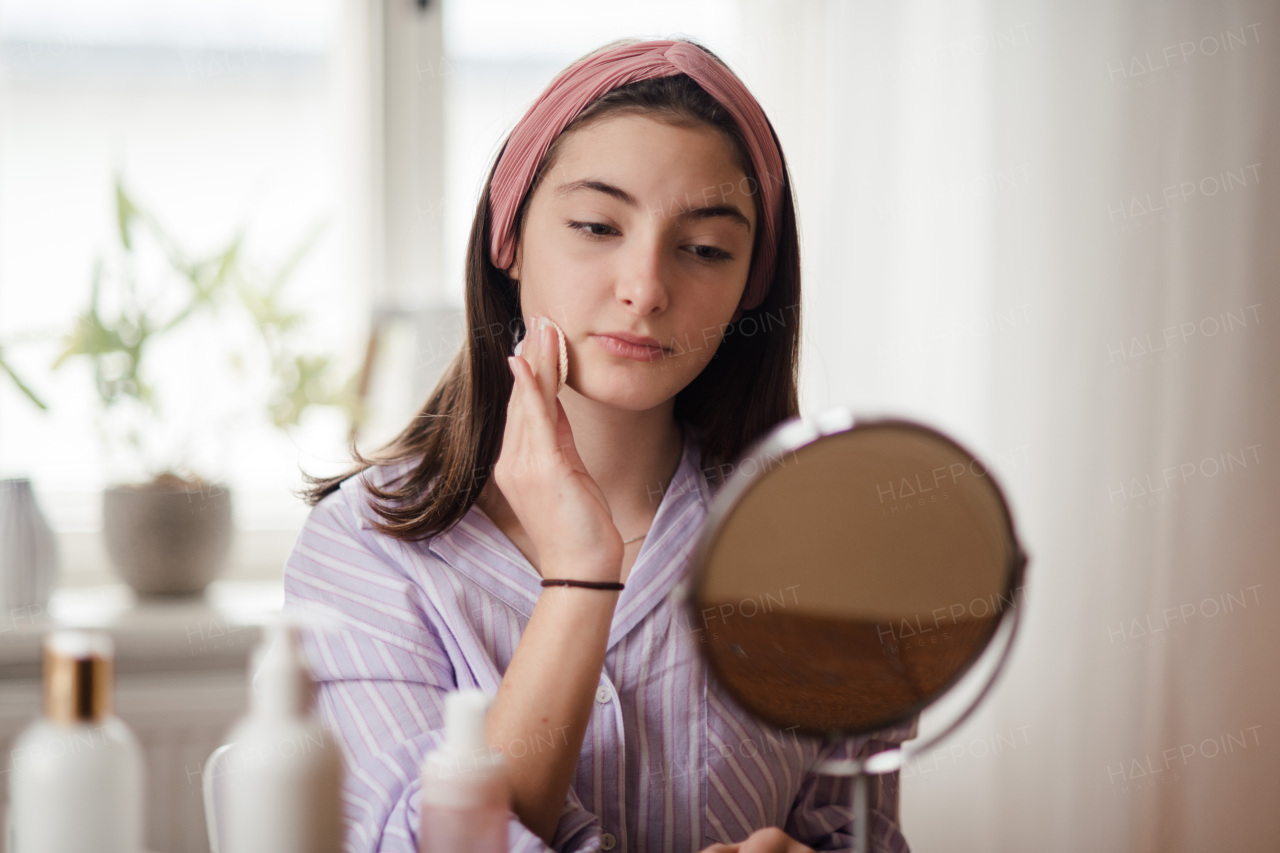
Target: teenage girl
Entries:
(525, 537)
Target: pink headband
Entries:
(581, 84)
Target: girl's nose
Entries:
(641, 280)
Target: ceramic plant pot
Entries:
(169, 536)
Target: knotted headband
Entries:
(581, 84)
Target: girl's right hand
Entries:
(562, 509)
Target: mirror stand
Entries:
(892, 760)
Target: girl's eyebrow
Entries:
(675, 208)
(599, 186)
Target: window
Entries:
(218, 117)
(240, 115)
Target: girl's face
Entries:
(639, 229)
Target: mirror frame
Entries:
(791, 436)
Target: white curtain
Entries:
(1053, 229)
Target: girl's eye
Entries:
(710, 253)
(593, 229)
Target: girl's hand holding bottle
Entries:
(562, 509)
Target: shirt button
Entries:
(603, 695)
(608, 842)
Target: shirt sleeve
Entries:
(382, 670)
(822, 816)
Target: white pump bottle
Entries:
(282, 777)
(466, 795)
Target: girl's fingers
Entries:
(541, 351)
(564, 438)
(545, 360)
(569, 450)
(532, 418)
(549, 356)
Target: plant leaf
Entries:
(22, 386)
(126, 212)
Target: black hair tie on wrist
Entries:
(609, 585)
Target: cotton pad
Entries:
(564, 351)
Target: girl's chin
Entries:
(633, 394)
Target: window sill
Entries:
(215, 630)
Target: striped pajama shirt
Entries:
(668, 762)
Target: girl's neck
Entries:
(632, 456)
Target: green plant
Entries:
(153, 306)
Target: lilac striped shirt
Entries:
(668, 762)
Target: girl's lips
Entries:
(627, 349)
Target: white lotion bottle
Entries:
(77, 772)
(466, 795)
(282, 777)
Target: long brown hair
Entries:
(749, 385)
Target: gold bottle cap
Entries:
(78, 676)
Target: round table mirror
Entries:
(849, 573)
